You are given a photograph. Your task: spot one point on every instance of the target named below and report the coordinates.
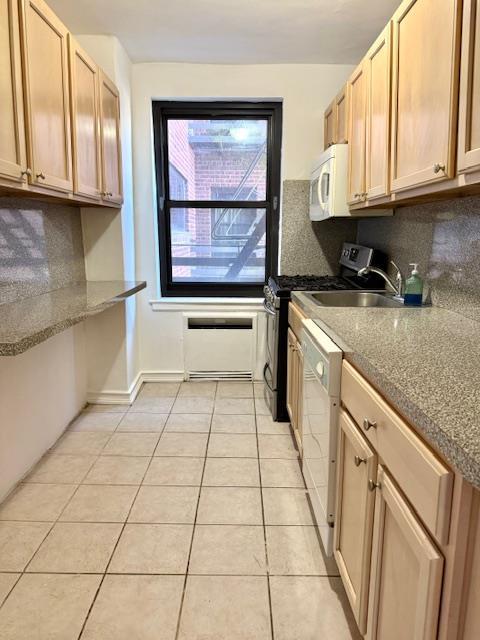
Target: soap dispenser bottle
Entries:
(414, 288)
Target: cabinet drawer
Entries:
(424, 479)
(295, 319)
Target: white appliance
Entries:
(328, 184)
(321, 402)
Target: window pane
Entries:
(218, 159)
(218, 245)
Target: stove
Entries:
(277, 295)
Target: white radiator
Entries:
(220, 346)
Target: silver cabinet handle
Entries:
(438, 167)
(358, 461)
(41, 175)
(26, 173)
(367, 424)
(374, 485)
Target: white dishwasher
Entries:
(321, 402)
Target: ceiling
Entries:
(233, 31)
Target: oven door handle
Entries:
(268, 309)
(267, 366)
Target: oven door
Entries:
(273, 317)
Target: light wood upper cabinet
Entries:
(425, 83)
(329, 126)
(85, 105)
(357, 91)
(378, 71)
(12, 127)
(407, 568)
(341, 108)
(356, 466)
(112, 190)
(47, 91)
(469, 111)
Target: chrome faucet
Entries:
(396, 287)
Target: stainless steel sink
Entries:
(354, 299)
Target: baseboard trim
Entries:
(114, 396)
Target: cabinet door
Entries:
(12, 126)
(356, 466)
(378, 72)
(47, 100)
(341, 118)
(292, 378)
(110, 138)
(329, 126)
(425, 84)
(85, 105)
(357, 92)
(406, 575)
(469, 115)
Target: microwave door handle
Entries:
(324, 187)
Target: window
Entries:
(218, 181)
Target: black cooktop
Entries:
(282, 285)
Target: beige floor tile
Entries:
(296, 551)
(47, 606)
(95, 421)
(231, 472)
(7, 581)
(189, 422)
(235, 390)
(232, 445)
(150, 404)
(311, 608)
(197, 389)
(266, 425)
(234, 406)
(165, 505)
(159, 390)
(281, 473)
(135, 608)
(106, 408)
(61, 469)
(100, 503)
(138, 422)
(221, 607)
(182, 444)
(228, 550)
(37, 502)
(185, 404)
(261, 407)
(175, 471)
(118, 470)
(131, 444)
(18, 543)
(233, 424)
(229, 505)
(286, 506)
(76, 443)
(276, 447)
(76, 548)
(258, 389)
(153, 548)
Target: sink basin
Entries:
(354, 299)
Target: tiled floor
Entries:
(183, 517)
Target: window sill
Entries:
(217, 304)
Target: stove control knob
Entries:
(320, 369)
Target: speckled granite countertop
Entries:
(425, 361)
(27, 322)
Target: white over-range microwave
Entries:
(328, 184)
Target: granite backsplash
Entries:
(444, 238)
(308, 247)
(41, 248)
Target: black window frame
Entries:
(163, 111)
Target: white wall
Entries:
(41, 391)
(305, 90)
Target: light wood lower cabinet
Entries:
(47, 97)
(295, 385)
(112, 190)
(13, 162)
(356, 467)
(406, 574)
